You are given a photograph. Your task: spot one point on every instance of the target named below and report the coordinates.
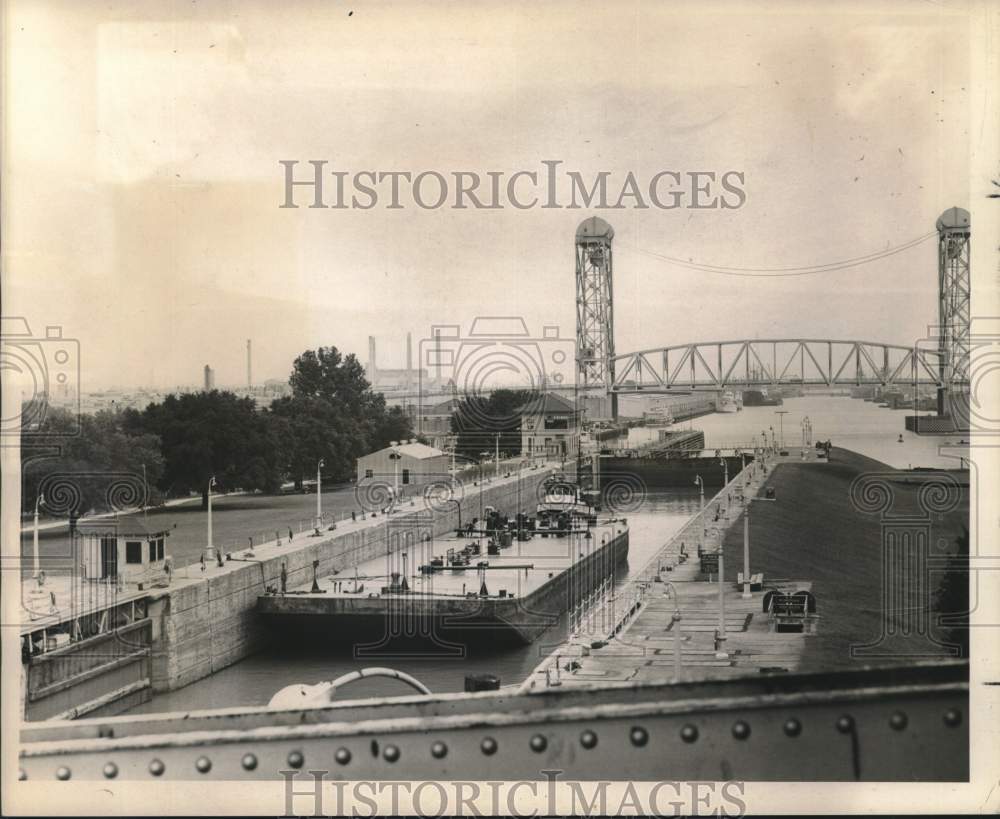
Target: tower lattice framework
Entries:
(595, 339)
(954, 290)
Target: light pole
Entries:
(394, 456)
(721, 654)
(781, 425)
(319, 494)
(497, 456)
(38, 501)
(725, 466)
(145, 492)
(675, 626)
(701, 508)
(746, 544)
(210, 550)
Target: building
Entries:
(122, 549)
(434, 422)
(550, 427)
(416, 463)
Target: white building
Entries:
(416, 463)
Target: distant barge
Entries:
(499, 581)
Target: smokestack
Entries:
(371, 360)
(249, 367)
(409, 360)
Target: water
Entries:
(254, 680)
(848, 423)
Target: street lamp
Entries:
(498, 454)
(38, 501)
(210, 550)
(675, 621)
(746, 543)
(781, 425)
(701, 507)
(319, 494)
(725, 466)
(394, 456)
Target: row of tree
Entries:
(178, 445)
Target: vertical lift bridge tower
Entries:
(595, 336)
(954, 288)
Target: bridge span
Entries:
(720, 365)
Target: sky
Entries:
(142, 178)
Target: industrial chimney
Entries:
(249, 367)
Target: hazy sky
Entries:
(142, 177)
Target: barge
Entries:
(499, 580)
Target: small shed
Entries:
(404, 462)
(125, 547)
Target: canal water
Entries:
(849, 423)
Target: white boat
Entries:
(659, 414)
(727, 402)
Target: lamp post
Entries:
(675, 626)
(701, 508)
(746, 544)
(725, 466)
(394, 456)
(38, 501)
(497, 456)
(319, 494)
(210, 550)
(781, 425)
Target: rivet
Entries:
(110, 770)
(741, 729)
(845, 724)
(343, 756)
(952, 717)
(439, 750)
(203, 764)
(63, 773)
(249, 762)
(898, 721)
(588, 739)
(792, 727)
(639, 736)
(538, 743)
(156, 767)
(689, 733)
(21, 775)
(391, 753)
(295, 759)
(488, 746)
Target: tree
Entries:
(476, 421)
(215, 433)
(333, 414)
(100, 468)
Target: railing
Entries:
(868, 725)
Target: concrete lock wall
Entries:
(202, 627)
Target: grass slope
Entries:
(814, 533)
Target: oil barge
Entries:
(499, 580)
